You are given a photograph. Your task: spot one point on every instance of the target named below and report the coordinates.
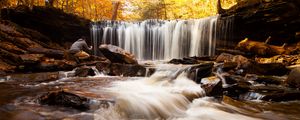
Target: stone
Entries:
(129, 70)
(235, 90)
(117, 55)
(212, 86)
(65, 99)
(279, 97)
(268, 80)
(31, 58)
(84, 71)
(35, 77)
(293, 78)
(103, 66)
(267, 69)
(10, 58)
(4, 67)
(52, 53)
(224, 57)
(197, 72)
(229, 66)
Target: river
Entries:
(167, 94)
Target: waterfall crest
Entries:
(159, 39)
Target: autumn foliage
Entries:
(129, 9)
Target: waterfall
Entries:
(161, 39)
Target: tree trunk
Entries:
(219, 8)
(115, 10)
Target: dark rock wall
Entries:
(279, 19)
(60, 27)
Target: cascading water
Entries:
(167, 94)
(162, 39)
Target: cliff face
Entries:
(32, 40)
(58, 26)
(260, 19)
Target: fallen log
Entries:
(260, 48)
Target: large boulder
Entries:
(117, 55)
(293, 79)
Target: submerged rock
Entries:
(293, 79)
(65, 99)
(84, 71)
(127, 70)
(198, 72)
(118, 69)
(285, 96)
(117, 55)
(191, 60)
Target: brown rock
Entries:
(224, 57)
(127, 69)
(4, 67)
(84, 71)
(197, 72)
(65, 99)
(267, 69)
(293, 78)
(31, 58)
(103, 66)
(48, 52)
(11, 47)
(117, 55)
(212, 86)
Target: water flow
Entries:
(167, 94)
(161, 39)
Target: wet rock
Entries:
(58, 54)
(52, 65)
(4, 67)
(31, 58)
(10, 58)
(192, 60)
(103, 66)
(118, 69)
(267, 69)
(35, 77)
(224, 57)
(285, 96)
(65, 99)
(212, 86)
(11, 47)
(237, 89)
(84, 71)
(198, 72)
(241, 61)
(268, 80)
(117, 55)
(293, 78)
(229, 66)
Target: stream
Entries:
(167, 94)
